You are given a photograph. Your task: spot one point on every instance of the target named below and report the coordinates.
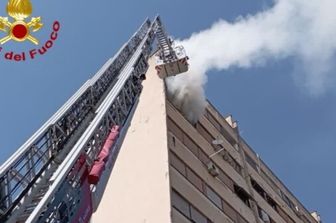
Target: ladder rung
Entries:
(32, 205)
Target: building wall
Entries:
(234, 195)
(187, 145)
(138, 187)
(161, 174)
(288, 206)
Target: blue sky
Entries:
(291, 130)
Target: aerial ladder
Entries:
(170, 59)
(53, 176)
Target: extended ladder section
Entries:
(164, 42)
(52, 176)
(170, 60)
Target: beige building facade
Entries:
(170, 170)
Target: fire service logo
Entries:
(20, 31)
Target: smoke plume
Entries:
(302, 30)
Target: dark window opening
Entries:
(271, 202)
(258, 188)
(262, 193)
(242, 194)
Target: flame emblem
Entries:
(19, 30)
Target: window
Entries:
(264, 195)
(287, 200)
(242, 194)
(172, 127)
(204, 133)
(195, 180)
(271, 202)
(185, 208)
(233, 163)
(251, 161)
(258, 188)
(197, 217)
(225, 179)
(229, 211)
(204, 157)
(213, 196)
(190, 144)
(269, 180)
(180, 204)
(212, 119)
(177, 164)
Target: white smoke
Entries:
(303, 30)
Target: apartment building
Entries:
(171, 170)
